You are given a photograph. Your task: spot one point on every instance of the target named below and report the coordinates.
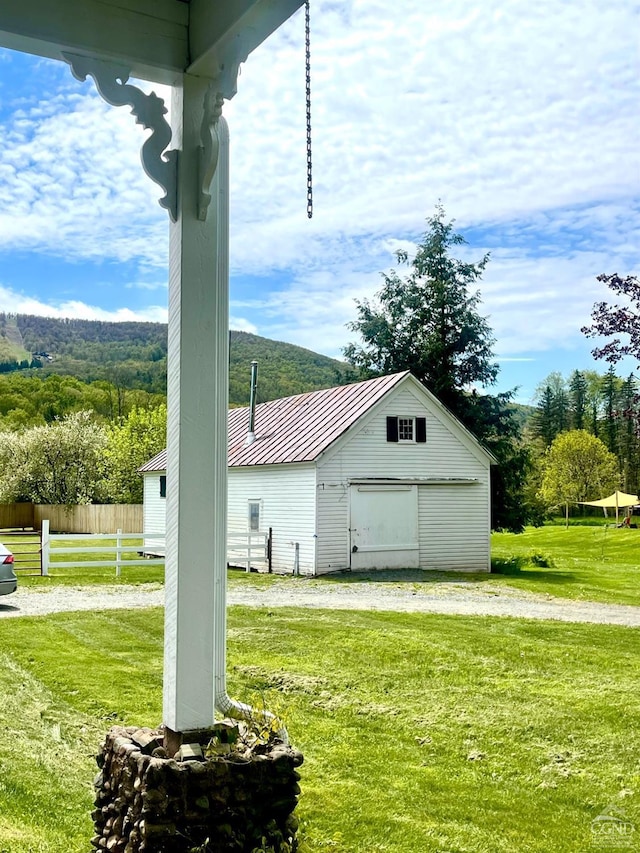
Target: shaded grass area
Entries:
(421, 734)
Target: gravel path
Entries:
(464, 598)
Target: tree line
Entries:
(585, 431)
(133, 356)
(606, 406)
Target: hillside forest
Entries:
(103, 386)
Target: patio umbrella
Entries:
(617, 500)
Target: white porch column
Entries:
(197, 437)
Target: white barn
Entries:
(373, 475)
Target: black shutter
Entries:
(392, 429)
(421, 430)
(163, 486)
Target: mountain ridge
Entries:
(133, 355)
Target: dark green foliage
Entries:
(129, 357)
(543, 422)
(429, 323)
(552, 415)
(493, 420)
(578, 399)
(24, 364)
(610, 386)
(628, 446)
(284, 369)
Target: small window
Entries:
(254, 515)
(405, 429)
(163, 486)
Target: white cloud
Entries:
(520, 117)
(71, 184)
(241, 324)
(19, 303)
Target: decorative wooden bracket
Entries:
(222, 88)
(209, 150)
(111, 81)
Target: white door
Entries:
(384, 527)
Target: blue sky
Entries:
(521, 118)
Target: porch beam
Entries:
(149, 36)
(233, 32)
(157, 39)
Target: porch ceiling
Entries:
(157, 39)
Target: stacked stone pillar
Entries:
(239, 800)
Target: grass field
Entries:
(594, 563)
(421, 734)
(584, 562)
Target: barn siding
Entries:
(454, 527)
(453, 519)
(287, 496)
(155, 513)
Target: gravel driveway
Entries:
(463, 598)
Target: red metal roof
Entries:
(299, 428)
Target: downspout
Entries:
(223, 703)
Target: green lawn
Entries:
(583, 562)
(421, 734)
(595, 563)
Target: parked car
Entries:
(8, 579)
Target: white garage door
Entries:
(384, 527)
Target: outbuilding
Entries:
(373, 475)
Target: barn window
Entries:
(163, 486)
(407, 430)
(254, 515)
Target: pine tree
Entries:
(578, 399)
(428, 322)
(543, 423)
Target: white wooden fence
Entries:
(125, 543)
(244, 548)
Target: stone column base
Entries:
(207, 799)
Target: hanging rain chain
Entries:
(307, 30)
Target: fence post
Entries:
(44, 548)
(118, 557)
(296, 559)
(270, 549)
(249, 552)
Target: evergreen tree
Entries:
(628, 446)
(578, 399)
(543, 423)
(552, 413)
(610, 386)
(428, 323)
